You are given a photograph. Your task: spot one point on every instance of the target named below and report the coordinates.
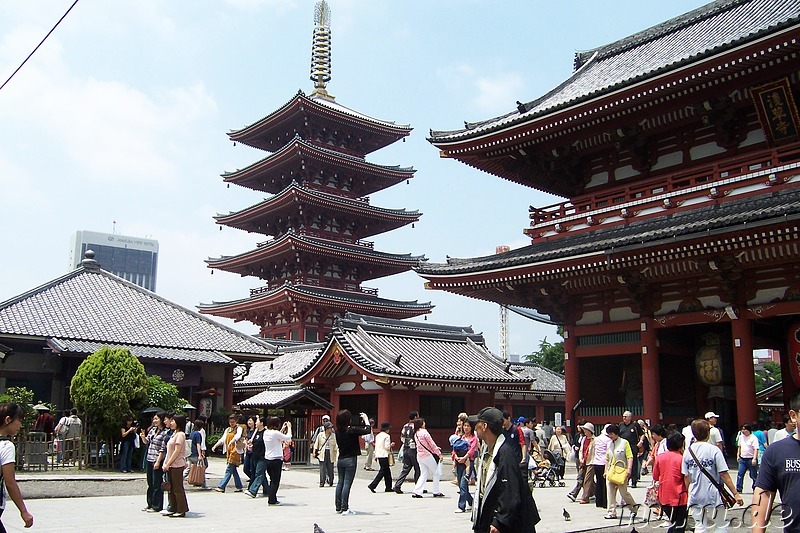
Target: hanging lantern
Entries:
(708, 361)
(793, 342)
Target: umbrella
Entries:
(41, 407)
(151, 410)
(188, 406)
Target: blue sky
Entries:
(122, 116)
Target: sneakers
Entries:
(250, 494)
(416, 495)
(347, 512)
(438, 495)
(398, 490)
(219, 489)
(571, 497)
(371, 489)
(610, 517)
(239, 490)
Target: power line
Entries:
(38, 45)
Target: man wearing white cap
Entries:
(715, 436)
(320, 429)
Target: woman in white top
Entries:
(274, 437)
(10, 422)
(383, 447)
(747, 456)
(559, 443)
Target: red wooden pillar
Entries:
(571, 375)
(227, 401)
(384, 413)
(651, 374)
(744, 375)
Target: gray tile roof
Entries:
(278, 397)
(688, 38)
(727, 215)
(90, 304)
(281, 370)
(544, 380)
(426, 352)
(154, 353)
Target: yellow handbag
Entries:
(617, 473)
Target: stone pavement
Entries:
(303, 505)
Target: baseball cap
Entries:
(711, 414)
(326, 417)
(520, 420)
(490, 415)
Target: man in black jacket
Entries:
(503, 502)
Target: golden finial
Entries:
(321, 50)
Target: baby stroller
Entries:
(549, 471)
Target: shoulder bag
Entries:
(618, 470)
(436, 457)
(728, 499)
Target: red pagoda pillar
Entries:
(572, 384)
(744, 375)
(651, 375)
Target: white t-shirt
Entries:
(715, 436)
(701, 491)
(7, 455)
(748, 446)
(780, 435)
(688, 436)
(273, 444)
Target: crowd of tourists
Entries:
(690, 473)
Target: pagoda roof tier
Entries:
(311, 165)
(727, 39)
(292, 245)
(570, 255)
(339, 301)
(353, 131)
(286, 205)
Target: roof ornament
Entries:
(89, 262)
(321, 50)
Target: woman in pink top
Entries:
(598, 462)
(174, 464)
(428, 465)
(667, 475)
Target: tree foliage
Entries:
(164, 395)
(550, 355)
(768, 375)
(24, 398)
(108, 385)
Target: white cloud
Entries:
(498, 94)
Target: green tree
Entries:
(768, 375)
(550, 355)
(108, 385)
(24, 398)
(164, 395)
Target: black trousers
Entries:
(600, 483)
(274, 467)
(384, 473)
(677, 516)
(409, 462)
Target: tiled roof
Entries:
(323, 294)
(281, 370)
(683, 224)
(426, 352)
(144, 352)
(691, 37)
(299, 240)
(276, 398)
(544, 380)
(90, 304)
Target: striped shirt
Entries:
(156, 437)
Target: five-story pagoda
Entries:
(314, 258)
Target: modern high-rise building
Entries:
(131, 258)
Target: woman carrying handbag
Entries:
(619, 465)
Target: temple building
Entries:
(314, 256)
(675, 252)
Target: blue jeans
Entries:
(259, 476)
(746, 464)
(249, 466)
(155, 494)
(231, 470)
(464, 497)
(346, 468)
(125, 454)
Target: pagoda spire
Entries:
(321, 50)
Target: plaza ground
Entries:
(101, 502)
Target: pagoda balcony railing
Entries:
(338, 192)
(689, 181)
(314, 282)
(324, 235)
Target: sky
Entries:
(119, 121)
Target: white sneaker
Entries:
(348, 513)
